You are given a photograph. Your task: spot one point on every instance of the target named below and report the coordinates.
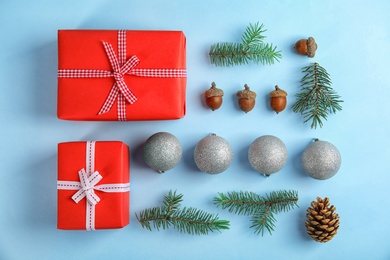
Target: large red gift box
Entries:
(121, 75)
(106, 163)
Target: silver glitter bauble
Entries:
(321, 160)
(213, 154)
(267, 154)
(162, 151)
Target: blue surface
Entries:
(353, 38)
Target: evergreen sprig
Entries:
(188, 220)
(317, 98)
(251, 48)
(261, 208)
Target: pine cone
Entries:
(323, 222)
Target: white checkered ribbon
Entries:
(87, 185)
(120, 66)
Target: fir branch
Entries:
(317, 98)
(251, 48)
(241, 203)
(281, 201)
(262, 208)
(172, 202)
(264, 219)
(265, 54)
(156, 216)
(187, 220)
(248, 203)
(253, 35)
(198, 222)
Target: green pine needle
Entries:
(172, 202)
(317, 98)
(263, 220)
(253, 35)
(187, 220)
(261, 208)
(241, 203)
(195, 221)
(251, 48)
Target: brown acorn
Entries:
(278, 100)
(306, 47)
(246, 99)
(214, 97)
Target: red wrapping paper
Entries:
(112, 162)
(158, 98)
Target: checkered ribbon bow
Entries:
(120, 66)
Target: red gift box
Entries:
(121, 75)
(105, 164)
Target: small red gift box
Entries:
(121, 75)
(93, 185)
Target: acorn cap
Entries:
(278, 92)
(246, 93)
(311, 47)
(213, 91)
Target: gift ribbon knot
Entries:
(118, 76)
(87, 187)
(120, 92)
(119, 68)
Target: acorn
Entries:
(306, 47)
(246, 99)
(214, 97)
(278, 100)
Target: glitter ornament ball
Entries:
(321, 160)
(213, 154)
(162, 151)
(267, 154)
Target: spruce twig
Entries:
(261, 208)
(251, 48)
(317, 98)
(188, 220)
(264, 219)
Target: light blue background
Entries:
(353, 39)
